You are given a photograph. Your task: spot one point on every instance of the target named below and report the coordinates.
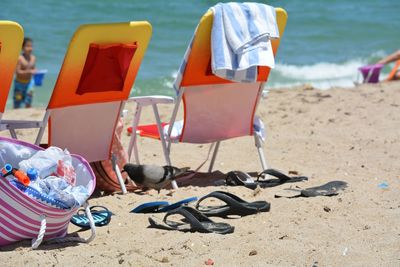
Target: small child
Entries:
(23, 84)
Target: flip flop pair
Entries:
(196, 220)
(239, 178)
(161, 206)
(101, 216)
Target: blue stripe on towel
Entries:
(251, 73)
(253, 30)
(228, 15)
(217, 33)
(230, 74)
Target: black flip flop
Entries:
(329, 189)
(282, 178)
(235, 178)
(234, 205)
(193, 221)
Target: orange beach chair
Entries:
(214, 109)
(95, 80)
(392, 74)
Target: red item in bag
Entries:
(66, 171)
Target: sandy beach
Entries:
(343, 134)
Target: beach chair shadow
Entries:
(203, 179)
(95, 80)
(214, 109)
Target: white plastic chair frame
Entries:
(12, 125)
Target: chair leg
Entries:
(133, 140)
(118, 173)
(214, 156)
(260, 148)
(136, 152)
(163, 142)
(13, 133)
(161, 133)
(168, 160)
(173, 117)
(42, 128)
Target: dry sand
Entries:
(339, 134)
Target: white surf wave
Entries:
(323, 75)
(319, 71)
(320, 75)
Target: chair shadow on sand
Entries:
(198, 179)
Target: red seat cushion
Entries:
(150, 130)
(106, 67)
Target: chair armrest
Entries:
(150, 100)
(20, 124)
(142, 101)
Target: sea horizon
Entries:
(323, 44)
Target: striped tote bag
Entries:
(24, 216)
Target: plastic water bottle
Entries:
(45, 162)
(36, 182)
(32, 174)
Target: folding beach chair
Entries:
(11, 37)
(95, 80)
(214, 109)
(393, 72)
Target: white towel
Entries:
(240, 40)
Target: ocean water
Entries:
(323, 45)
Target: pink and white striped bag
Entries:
(23, 217)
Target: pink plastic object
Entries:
(67, 171)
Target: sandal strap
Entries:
(281, 176)
(194, 220)
(96, 207)
(234, 178)
(235, 205)
(193, 216)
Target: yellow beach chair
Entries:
(214, 109)
(11, 37)
(95, 80)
